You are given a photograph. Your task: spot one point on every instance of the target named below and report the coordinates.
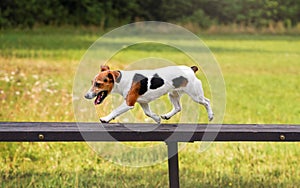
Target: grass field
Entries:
(262, 83)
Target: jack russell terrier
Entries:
(144, 86)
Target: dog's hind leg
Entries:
(207, 106)
(195, 91)
(175, 99)
(149, 113)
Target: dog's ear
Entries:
(110, 77)
(104, 68)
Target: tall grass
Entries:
(262, 82)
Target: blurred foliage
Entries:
(111, 13)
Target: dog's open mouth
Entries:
(100, 97)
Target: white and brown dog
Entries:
(144, 86)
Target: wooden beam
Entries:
(70, 131)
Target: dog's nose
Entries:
(87, 96)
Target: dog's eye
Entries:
(97, 84)
(105, 80)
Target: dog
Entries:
(144, 86)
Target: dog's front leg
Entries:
(118, 111)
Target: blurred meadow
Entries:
(261, 73)
(256, 43)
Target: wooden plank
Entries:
(70, 131)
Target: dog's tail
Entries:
(194, 68)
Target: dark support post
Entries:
(173, 164)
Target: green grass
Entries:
(262, 83)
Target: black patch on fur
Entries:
(143, 81)
(119, 77)
(179, 81)
(156, 82)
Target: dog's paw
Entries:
(211, 117)
(157, 119)
(102, 120)
(165, 117)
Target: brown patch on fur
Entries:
(133, 94)
(103, 81)
(104, 68)
(139, 87)
(116, 74)
(194, 68)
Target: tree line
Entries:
(111, 13)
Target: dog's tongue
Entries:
(98, 99)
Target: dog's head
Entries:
(102, 84)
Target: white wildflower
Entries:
(35, 76)
(6, 79)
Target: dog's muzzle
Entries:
(99, 97)
(89, 95)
